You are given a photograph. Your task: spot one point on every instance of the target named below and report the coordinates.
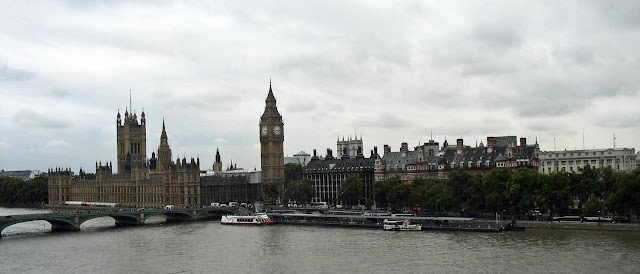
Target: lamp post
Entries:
(599, 219)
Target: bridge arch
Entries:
(57, 224)
(173, 215)
(213, 213)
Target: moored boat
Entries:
(258, 219)
(401, 225)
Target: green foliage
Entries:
(270, 191)
(368, 203)
(351, 190)
(382, 190)
(14, 191)
(515, 192)
(520, 190)
(300, 191)
(494, 186)
(624, 198)
(593, 207)
(292, 172)
(554, 194)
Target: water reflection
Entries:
(207, 246)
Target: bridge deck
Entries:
(73, 220)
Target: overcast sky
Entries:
(390, 72)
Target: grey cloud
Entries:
(32, 119)
(11, 74)
(302, 106)
(385, 120)
(619, 121)
(496, 38)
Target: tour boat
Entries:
(259, 219)
(401, 225)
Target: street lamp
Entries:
(599, 218)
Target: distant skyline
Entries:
(391, 72)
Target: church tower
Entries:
(164, 152)
(131, 142)
(217, 165)
(271, 130)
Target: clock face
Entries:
(277, 130)
(264, 130)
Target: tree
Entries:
(520, 190)
(292, 172)
(14, 191)
(351, 190)
(494, 189)
(300, 191)
(475, 198)
(592, 207)
(399, 196)
(382, 191)
(553, 194)
(458, 185)
(270, 191)
(439, 196)
(625, 194)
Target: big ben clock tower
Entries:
(271, 141)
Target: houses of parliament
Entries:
(159, 180)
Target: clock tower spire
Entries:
(271, 132)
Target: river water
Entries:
(208, 247)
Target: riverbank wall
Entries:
(580, 225)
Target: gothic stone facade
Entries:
(271, 132)
(139, 182)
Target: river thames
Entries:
(208, 247)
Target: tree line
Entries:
(516, 192)
(14, 191)
(593, 190)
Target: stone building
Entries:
(427, 161)
(328, 173)
(139, 182)
(349, 148)
(231, 186)
(271, 132)
(24, 175)
(619, 159)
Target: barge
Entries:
(364, 221)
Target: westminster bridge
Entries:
(71, 221)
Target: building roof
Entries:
(343, 164)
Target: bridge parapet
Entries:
(72, 221)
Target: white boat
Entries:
(258, 219)
(401, 225)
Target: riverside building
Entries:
(618, 159)
(329, 172)
(428, 161)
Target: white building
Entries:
(619, 159)
(24, 175)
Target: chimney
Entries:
(404, 148)
(491, 142)
(375, 150)
(523, 142)
(387, 149)
(459, 144)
